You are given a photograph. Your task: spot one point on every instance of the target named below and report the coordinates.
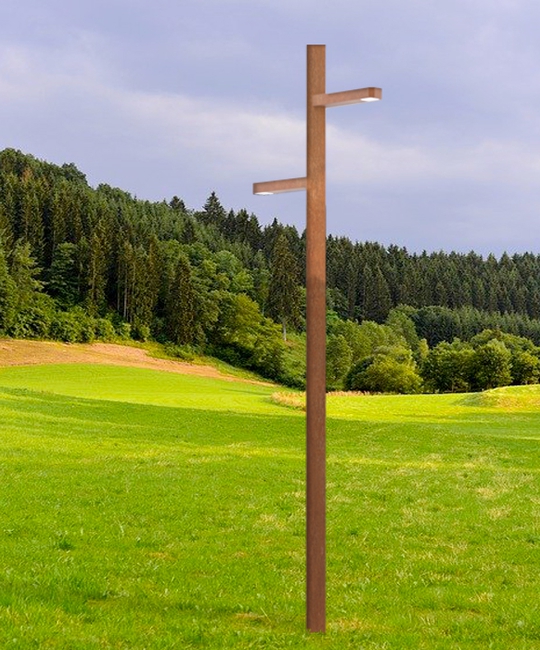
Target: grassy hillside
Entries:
(141, 509)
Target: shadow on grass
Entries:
(427, 442)
(36, 413)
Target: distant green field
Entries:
(147, 510)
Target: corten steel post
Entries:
(316, 343)
(315, 184)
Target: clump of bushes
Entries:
(389, 370)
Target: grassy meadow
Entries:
(147, 510)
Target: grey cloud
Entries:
(168, 98)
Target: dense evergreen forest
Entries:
(78, 263)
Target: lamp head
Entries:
(357, 96)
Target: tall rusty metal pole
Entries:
(316, 343)
(315, 184)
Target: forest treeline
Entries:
(79, 263)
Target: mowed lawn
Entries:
(142, 510)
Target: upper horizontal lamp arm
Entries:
(348, 97)
(276, 187)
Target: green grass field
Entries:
(145, 510)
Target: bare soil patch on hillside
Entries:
(22, 353)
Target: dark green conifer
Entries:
(284, 290)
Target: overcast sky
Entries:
(165, 97)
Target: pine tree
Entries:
(96, 270)
(181, 304)
(352, 275)
(377, 300)
(189, 233)
(126, 278)
(31, 222)
(284, 290)
(145, 291)
(62, 281)
(177, 204)
(25, 273)
(11, 202)
(60, 216)
(8, 294)
(6, 231)
(214, 213)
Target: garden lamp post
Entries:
(315, 185)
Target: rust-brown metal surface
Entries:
(277, 187)
(315, 184)
(316, 343)
(348, 97)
